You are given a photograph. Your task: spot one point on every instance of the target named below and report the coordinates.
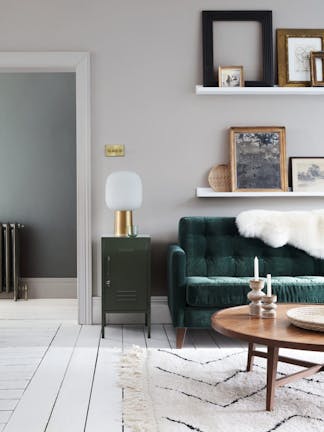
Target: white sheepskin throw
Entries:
(301, 229)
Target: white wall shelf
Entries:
(202, 192)
(259, 91)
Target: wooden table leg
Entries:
(272, 364)
(180, 336)
(250, 358)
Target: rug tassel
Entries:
(138, 410)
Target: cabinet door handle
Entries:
(108, 265)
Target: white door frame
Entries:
(78, 62)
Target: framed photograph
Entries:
(294, 48)
(258, 159)
(264, 67)
(307, 174)
(230, 76)
(317, 68)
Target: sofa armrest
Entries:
(176, 270)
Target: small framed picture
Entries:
(317, 68)
(258, 159)
(294, 48)
(230, 76)
(307, 174)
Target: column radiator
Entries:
(10, 278)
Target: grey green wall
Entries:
(146, 61)
(38, 169)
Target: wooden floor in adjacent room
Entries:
(57, 376)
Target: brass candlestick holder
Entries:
(255, 296)
(269, 306)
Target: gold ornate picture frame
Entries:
(293, 50)
(317, 68)
(258, 159)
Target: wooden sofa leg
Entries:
(181, 333)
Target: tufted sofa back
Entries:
(214, 248)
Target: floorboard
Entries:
(158, 337)
(39, 309)
(105, 409)
(4, 416)
(133, 335)
(171, 334)
(114, 336)
(71, 406)
(11, 394)
(202, 338)
(45, 385)
(8, 404)
(8, 385)
(225, 342)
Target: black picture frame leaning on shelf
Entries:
(265, 19)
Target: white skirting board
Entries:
(159, 312)
(51, 287)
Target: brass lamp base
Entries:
(123, 219)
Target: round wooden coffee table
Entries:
(274, 333)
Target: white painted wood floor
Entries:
(57, 376)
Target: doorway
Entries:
(79, 63)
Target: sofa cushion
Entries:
(214, 247)
(222, 291)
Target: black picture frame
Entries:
(265, 19)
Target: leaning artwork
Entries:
(258, 159)
(307, 174)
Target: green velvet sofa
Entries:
(210, 268)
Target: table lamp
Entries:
(124, 193)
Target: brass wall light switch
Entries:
(114, 150)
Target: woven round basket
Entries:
(219, 178)
(308, 317)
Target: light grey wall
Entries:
(38, 169)
(146, 61)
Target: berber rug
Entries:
(208, 390)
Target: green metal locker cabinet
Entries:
(126, 277)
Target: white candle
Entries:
(268, 285)
(256, 268)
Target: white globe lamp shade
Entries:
(124, 193)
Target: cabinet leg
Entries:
(148, 323)
(103, 324)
